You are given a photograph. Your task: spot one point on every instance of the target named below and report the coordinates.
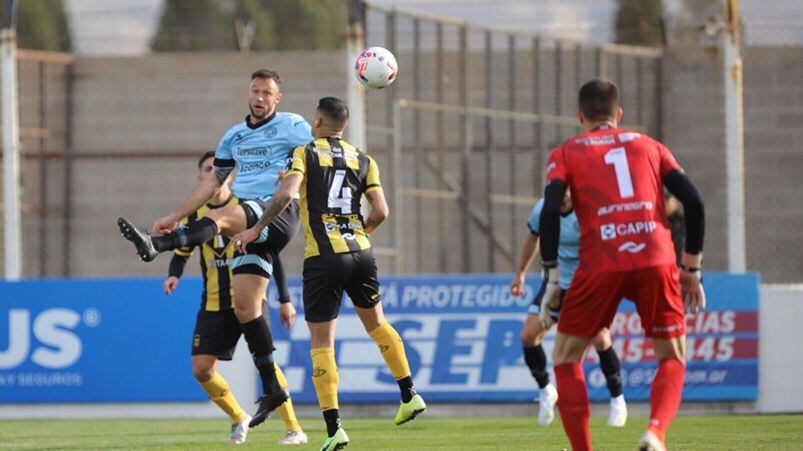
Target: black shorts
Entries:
(259, 254)
(216, 333)
(535, 307)
(327, 276)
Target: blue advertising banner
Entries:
(96, 340)
(462, 339)
(123, 340)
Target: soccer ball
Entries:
(376, 67)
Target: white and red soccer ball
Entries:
(376, 67)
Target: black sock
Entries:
(332, 418)
(406, 388)
(260, 343)
(535, 358)
(193, 234)
(609, 362)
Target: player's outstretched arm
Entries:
(203, 190)
(379, 209)
(280, 200)
(678, 183)
(528, 250)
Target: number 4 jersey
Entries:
(616, 182)
(335, 176)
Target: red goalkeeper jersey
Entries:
(616, 182)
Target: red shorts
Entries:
(593, 298)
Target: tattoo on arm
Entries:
(272, 211)
(221, 174)
(371, 224)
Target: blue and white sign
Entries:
(462, 340)
(96, 340)
(125, 341)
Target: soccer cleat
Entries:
(546, 405)
(239, 431)
(142, 241)
(293, 438)
(409, 410)
(650, 442)
(618, 415)
(267, 404)
(338, 441)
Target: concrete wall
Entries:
(780, 372)
(184, 102)
(773, 111)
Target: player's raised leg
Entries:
(534, 356)
(392, 348)
(575, 409)
(226, 221)
(611, 368)
(203, 368)
(325, 381)
(294, 435)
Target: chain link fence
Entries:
(472, 118)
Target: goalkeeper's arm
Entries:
(690, 278)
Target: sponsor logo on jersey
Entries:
(628, 136)
(632, 247)
(601, 140)
(611, 231)
(260, 151)
(629, 206)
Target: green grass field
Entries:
(689, 433)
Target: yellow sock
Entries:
(392, 348)
(219, 393)
(286, 410)
(324, 377)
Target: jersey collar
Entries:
(260, 123)
(602, 127)
(226, 202)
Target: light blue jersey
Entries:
(260, 152)
(568, 245)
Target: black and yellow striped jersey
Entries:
(335, 176)
(215, 258)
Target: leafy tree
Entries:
(194, 25)
(295, 24)
(639, 22)
(42, 25)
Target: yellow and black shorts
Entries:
(216, 333)
(326, 277)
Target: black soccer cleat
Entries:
(142, 241)
(267, 404)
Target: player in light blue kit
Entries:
(258, 149)
(533, 331)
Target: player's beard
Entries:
(259, 117)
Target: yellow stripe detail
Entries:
(311, 247)
(212, 280)
(362, 240)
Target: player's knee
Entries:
(530, 338)
(602, 341)
(202, 371)
(245, 311)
